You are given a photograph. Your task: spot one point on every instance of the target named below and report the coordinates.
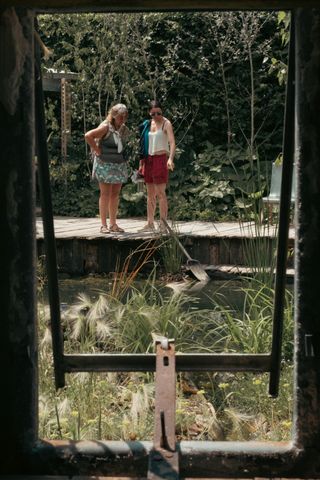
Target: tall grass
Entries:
(259, 242)
(258, 236)
(134, 263)
(170, 252)
(249, 330)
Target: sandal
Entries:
(162, 228)
(104, 229)
(147, 228)
(115, 228)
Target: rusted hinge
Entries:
(164, 458)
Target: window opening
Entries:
(268, 362)
(63, 365)
(235, 362)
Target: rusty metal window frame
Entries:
(298, 457)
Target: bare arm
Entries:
(172, 144)
(95, 134)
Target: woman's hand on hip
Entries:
(96, 150)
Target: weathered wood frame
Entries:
(22, 452)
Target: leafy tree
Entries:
(215, 74)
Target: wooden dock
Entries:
(82, 249)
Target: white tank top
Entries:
(158, 141)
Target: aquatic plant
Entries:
(249, 330)
(170, 251)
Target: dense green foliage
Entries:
(220, 77)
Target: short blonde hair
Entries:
(118, 109)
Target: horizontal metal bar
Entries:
(187, 362)
(157, 5)
(198, 458)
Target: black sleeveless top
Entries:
(109, 150)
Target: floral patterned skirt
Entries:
(105, 172)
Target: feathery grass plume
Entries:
(240, 425)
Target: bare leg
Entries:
(151, 203)
(160, 191)
(114, 202)
(104, 202)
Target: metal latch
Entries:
(164, 458)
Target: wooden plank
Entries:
(201, 250)
(214, 252)
(236, 251)
(238, 270)
(66, 227)
(65, 256)
(106, 256)
(82, 249)
(90, 258)
(225, 251)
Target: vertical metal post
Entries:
(65, 117)
(164, 459)
(48, 228)
(284, 219)
(18, 351)
(307, 260)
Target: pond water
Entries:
(201, 294)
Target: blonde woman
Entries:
(109, 166)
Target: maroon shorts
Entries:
(156, 169)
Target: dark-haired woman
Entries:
(157, 158)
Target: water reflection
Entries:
(201, 293)
(231, 293)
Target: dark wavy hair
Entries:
(154, 104)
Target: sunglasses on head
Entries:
(153, 114)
